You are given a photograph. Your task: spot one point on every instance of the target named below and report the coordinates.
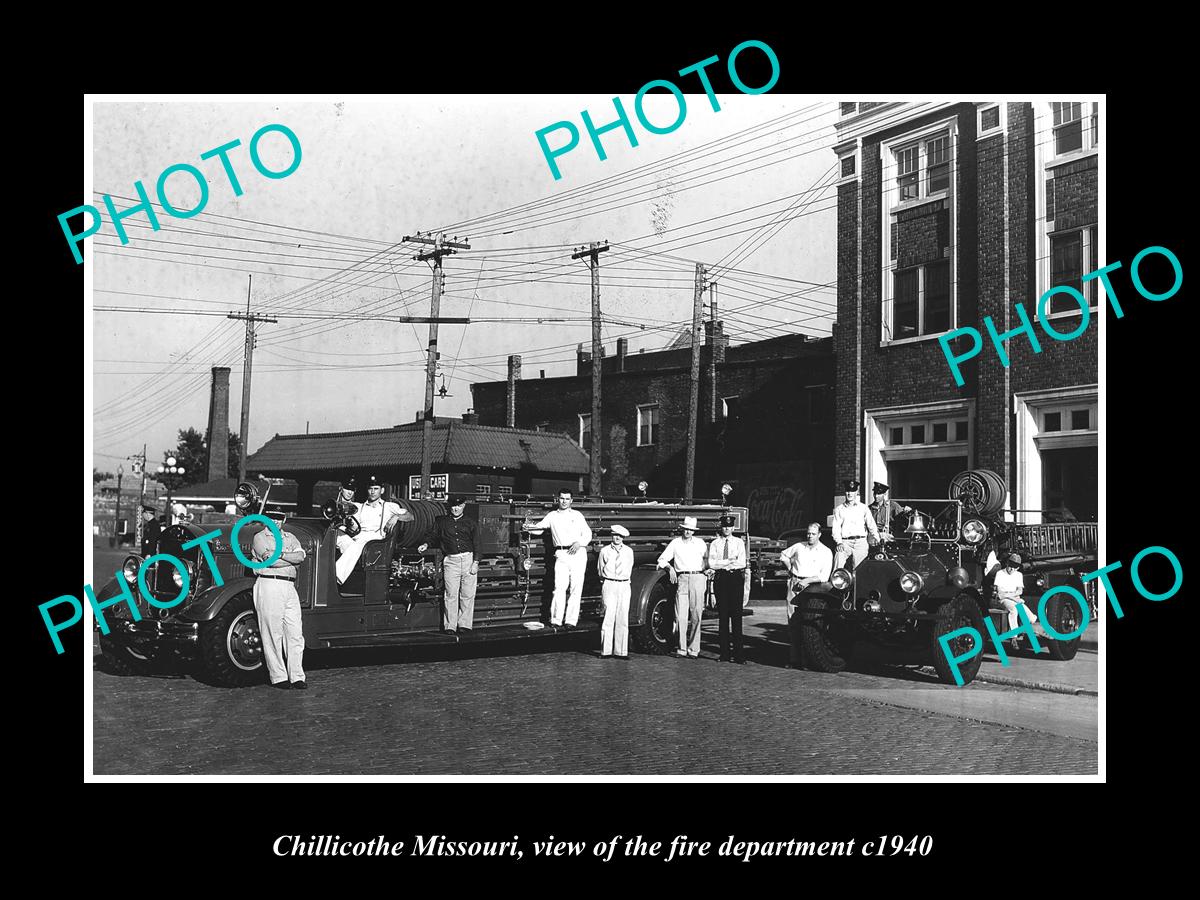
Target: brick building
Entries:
(949, 212)
(765, 422)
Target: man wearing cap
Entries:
(571, 534)
(852, 523)
(685, 559)
(458, 538)
(884, 510)
(278, 607)
(376, 518)
(151, 529)
(727, 562)
(1010, 585)
(615, 564)
(808, 563)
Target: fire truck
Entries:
(928, 579)
(393, 598)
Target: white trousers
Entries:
(569, 569)
(278, 607)
(614, 632)
(1014, 620)
(689, 608)
(352, 548)
(857, 551)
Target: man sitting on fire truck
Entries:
(376, 518)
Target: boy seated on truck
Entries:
(1010, 585)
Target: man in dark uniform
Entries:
(458, 537)
(727, 563)
(885, 510)
(150, 530)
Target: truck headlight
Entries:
(911, 583)
(129, 568)
(841, 579)
(974, 532)
(527, 563)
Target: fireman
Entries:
(685, 559)
(727, 562)
(852, 523)
(615, 565)
(885, 510)
(571, 535)
(376, 516)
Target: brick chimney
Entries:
(218, 425)
(715, 339)
(622, 351)
(510, 394)
(470, 417)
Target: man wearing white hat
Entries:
(615, 564)
(686, 558)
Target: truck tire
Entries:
(122, 660)
(961, 612)
(659, 634)
(1063, 615)
(230, 645)
(826, 642)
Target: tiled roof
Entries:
(454, 444)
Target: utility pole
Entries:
(140, 466)
(593, 254)
(697, 313)
(247, 364)
(712, 355)
(117, 513)
(441, 247)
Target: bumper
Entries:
(159, 638)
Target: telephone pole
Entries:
(697, 313)
(247, 365)
(712, 354)
(441, 247)
(139, 466)
(593, 254)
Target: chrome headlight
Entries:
(911, 583)
(129, 568)
(974, 532)
(841, 579)
(527, 564)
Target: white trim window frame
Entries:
(944, 155)
(1074, 127)
(879, 452)
(647, 424)
(1029, 409)
(984, 113)
(1045, 163)
(585, 427)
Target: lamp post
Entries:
(168, 473)
(117, 513)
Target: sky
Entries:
(327, 241)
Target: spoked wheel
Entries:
(961, 612)
(660, 634)
(1063, 615)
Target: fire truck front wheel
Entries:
(1063, 614)
(230, 645)
(827, 641)
(659, 634)
(122, 660)
(961, 612)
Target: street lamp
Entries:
(168, 474)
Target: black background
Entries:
(1147, 436)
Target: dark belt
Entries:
(689, 573)
(854, 537)
(280, 577)
(606, 578)
(729, 571)
(563, 546)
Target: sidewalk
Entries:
(768, 629)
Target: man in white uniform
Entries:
(852, 523)
(809, 562)
(615, 564)
(278, 607)
(376, 517)
(686, 558)
(571, 534)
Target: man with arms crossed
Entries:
(571, 534)
(278, 607)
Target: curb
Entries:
(1050, 686)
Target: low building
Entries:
(466, 457)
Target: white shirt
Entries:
(373, 516)
(615, 562)
(803, 561)
(737, 553)
(853, 519)
(1009, 584)
(567, 527)
(687, 556)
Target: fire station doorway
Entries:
(918, 449)
(1058, 455)
(922, 478)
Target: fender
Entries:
(205, 606)
(641, 584)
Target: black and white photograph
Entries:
(704, 430)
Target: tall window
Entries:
(921, 300)
(729, 408)
(1075, 126)
(585, 431)
(647, 423)
(1072, 255)
(923, 168)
